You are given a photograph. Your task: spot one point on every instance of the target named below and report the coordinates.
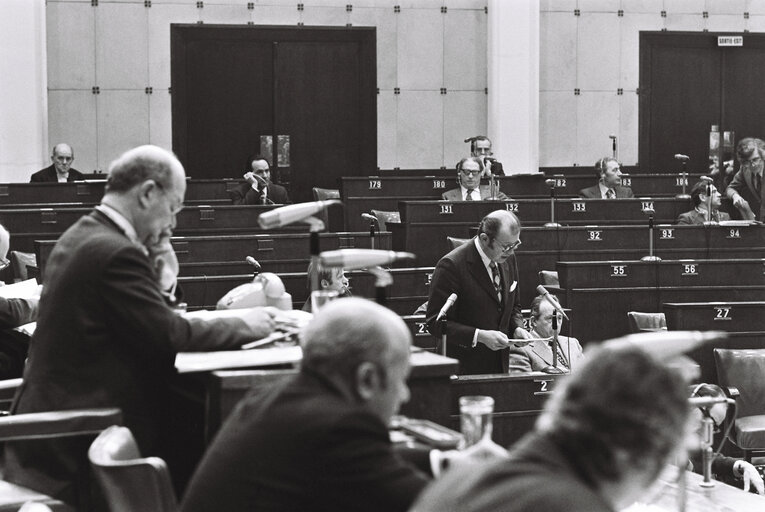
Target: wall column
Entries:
(513, 81)
(23, 89)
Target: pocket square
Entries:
(513, 287)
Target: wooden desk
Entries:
(27, 225)
(410, 288)
(721, 496)
(601, 293)
(518, 400)
(225, 254)
(744, 321)
(90, 192)
(426, 224)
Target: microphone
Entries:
(252, 261)
(542, 291)
(706, 179)
(292, 213)
(612, 136)
(550, 183)
(681, 157)
(709, 401)
(361, 258)
(649, 211)
(369, 217)
(448, 304)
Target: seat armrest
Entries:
(43, 425)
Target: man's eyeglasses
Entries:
(511, 246)
(177, 206)
(467, 172)
(752, 163)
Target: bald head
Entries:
(5, 241)
(144, 163)
(349, 331)
(62, 157)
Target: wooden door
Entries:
(311, 86)
(688, 84)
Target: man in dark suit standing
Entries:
(105, 336)
(603, 439)
(319, 440)
(609, 184)
(61, 170)
(259, 189)
(746, 190)
(484, 275)
(480, 147)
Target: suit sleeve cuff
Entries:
(475, 338)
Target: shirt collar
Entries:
(604, 189)
(464, 190)
(486, 260)
(121, 221)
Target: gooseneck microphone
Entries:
(286, 215)
(541, 290)
(350, 259)
(448, 304)
(681, 157)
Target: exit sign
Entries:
(730, 40)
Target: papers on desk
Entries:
(21, 290)
(188, 362)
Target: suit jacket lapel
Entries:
(542, 349)
(479, 272)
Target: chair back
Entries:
(549, 278)
(456, 242)
(384, 217)
(646, 322)
(322, 194)
(130, 483)
(743, 369)
(20, 261)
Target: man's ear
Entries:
(367, 381)
(145, 192)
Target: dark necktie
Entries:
(757, 178)
(469, 194)
(497, 280)
(610, 194)
(561, 360)
(263, 198)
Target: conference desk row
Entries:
(600, 293)
(225, 254)
(362, 194)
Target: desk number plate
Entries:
(722, 313)
(689, 269)
(439, 184)
(446, 209)
(619, 271)
(545, 386)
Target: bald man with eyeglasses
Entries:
(486, 317)
(469, 172)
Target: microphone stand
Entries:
(613, 147)
(492, 187)
(706, 449)
(554, 370)
(650, 256)
(709, 202)
(382, 282)
(316, 225)
(552, 223)
(683, 177)
(372, 234)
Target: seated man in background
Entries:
(469, 172)
(609, 186)
(319, 440)
(331, 278)
(13, 312)
(703, 199)
(537, 356)
(259, 189)
(602, 440)
(480, 147)
(745, 190)
(727, 469)
(105, 335)
(61, 169)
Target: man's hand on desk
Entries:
(259, 320)
(750, 475)
(495, 340)
(482, 451)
